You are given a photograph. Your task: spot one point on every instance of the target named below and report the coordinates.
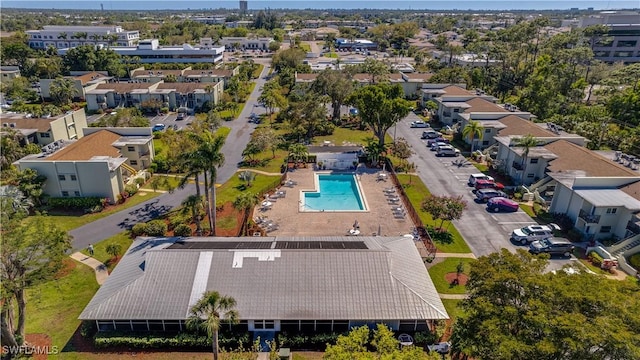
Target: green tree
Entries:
(444, 208)
(209, 312)
(114, 250)
(517, 310)
(336, 85)
(381, 106)
(472, 131)
(31, 184)
(210, 157)
(62, 91)
(13, 204)
(526, 143)
(248, 177)
(193, 205)
(290, 58)
(31, 254)
(298, 152)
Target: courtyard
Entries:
(380, 215)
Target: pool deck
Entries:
(285, 211)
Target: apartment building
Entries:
(98, 164)
(44, 131)
(82, 82)
(62, 37)
(185, 75)
(246, 43)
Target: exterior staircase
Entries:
(625, 245)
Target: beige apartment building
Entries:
(99, 164)
(82, 82)
(44, 131)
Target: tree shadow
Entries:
(440, 235)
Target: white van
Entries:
(479, 176)
(447, 151)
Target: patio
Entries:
(382, 211)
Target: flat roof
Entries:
(378, 278)
(609, 197)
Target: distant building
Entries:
(246, 43)
(9, 72)
(244, 6)
(62, 37)
(360, 44)
(150, 51)
(43, 131)
(622, 42)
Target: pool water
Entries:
(336, 193)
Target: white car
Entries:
(532, 233)
(419, 124)
(436, 145)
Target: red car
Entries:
(488, 184)
(502, 204)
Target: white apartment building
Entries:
(44, 131)
(622, 42)
(246, 43)
(62, 37)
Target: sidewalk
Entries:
(97, 266)
(455, 255)
(453, 296)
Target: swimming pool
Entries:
(336, 192)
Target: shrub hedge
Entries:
(159, 341)
(74, 202)
(595, 258)
(182, 230)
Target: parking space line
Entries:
(514, 222)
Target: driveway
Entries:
(236, 142)
(483, 231)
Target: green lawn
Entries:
(100, 249)
(257, 71)
(483, 168)
(305, 47)
(453, 307)
(53, 307)
(528, 209)
(234, 187)
(70, 222)
(331, 55)
(342, 135)
(416, 191)
(167, 183)
(271, 164)
(439, 270)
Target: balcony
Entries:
(517, 165)
(589, 219)
(446, 114)
(634, 226)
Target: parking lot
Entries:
(484, 232)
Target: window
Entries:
(627, 43)
(73, 177)
(131, 148)
(76, 193)
(486, 131)
(62, 177)
(623, 54)
(65, 193)
(533, 161)
(264, 324)
(530, 175)
(133, 162)
(485, 143)
(605, 229)
(45, 135)
(612, 210)
(456, 110)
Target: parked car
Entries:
(552, 246)
(485, 194)
(502, 204)
(478, 176)
(438, 139)
(447, 150)
(488, 184)
(158, 127)
(419, 124)
(531, 233)
(436, 145)
(430, 134)
(180, 116)
(353, 112)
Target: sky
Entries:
(325, 4)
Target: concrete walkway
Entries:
(455, 255)
(97, 266)
(263, 356)
(453, 296)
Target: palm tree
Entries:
(299, 152)
(208, 151)
(209, 312)
(95, 38)
(62, 91)
(114, 250)
(472, 130)
(193, 204)
(374, 150)
(193, 165)
(245, 202)
(14, 202)
(526, 142)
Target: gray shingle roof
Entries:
(386, 281)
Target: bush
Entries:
(161, 341)
(74, 202)
(156, 228)
(563, 220)
(140, 181)
(131, 189)
(139, 229)
(634, 260)
(595, 258)
(182, 230)
(176, 219)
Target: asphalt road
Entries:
(484, 232)
(236, 141)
